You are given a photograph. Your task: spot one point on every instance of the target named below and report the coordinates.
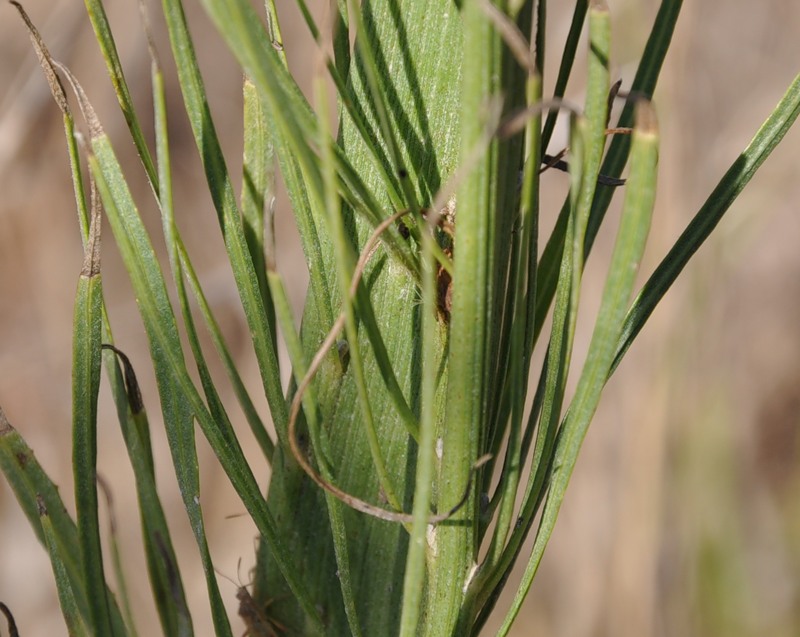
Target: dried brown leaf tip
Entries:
(131, 384)
(12, 625)
(89, 114)
(45, 60)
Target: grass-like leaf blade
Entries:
(87, 333)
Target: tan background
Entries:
(683, 515)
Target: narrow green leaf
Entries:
(631, 239)
(190, 486)
(175, 385)
(334, 506)
(588, 140)
(369, 322)
(258, 180)
(486, 209)
(158, 546)
(254, 420)
(378, 101)
(293, 117)
(344, 269)
(85, 387)
(567, 60)
(523, 299)
(595, 111)
(116, 559)
(105, 38)
(166, 349)
(414, 581)
(222, 193)
(350, 103)
(555, 369)
(562, 334)
(59, 96)
(274, 29)
(472, 289)
(31, 485)
(644, 84)
(66, 598)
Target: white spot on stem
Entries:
(431, 537)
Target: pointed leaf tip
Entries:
(5, 426)
(89, 114)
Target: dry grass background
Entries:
(683, 517)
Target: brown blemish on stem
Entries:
(22, 459)
(41, 506)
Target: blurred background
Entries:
(683, 516)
